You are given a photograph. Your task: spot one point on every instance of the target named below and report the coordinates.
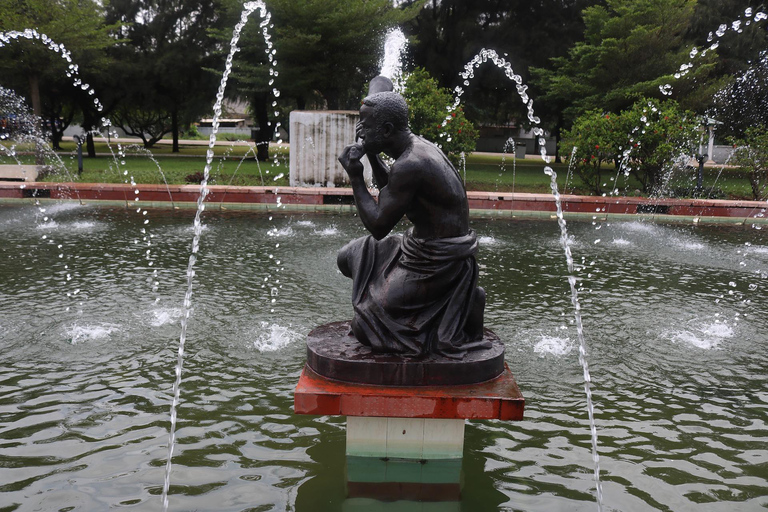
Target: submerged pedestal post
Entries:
(405, 417)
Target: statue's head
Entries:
(383, 116)
(387, 107)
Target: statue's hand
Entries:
(350, 159)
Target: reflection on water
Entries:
(674, 318)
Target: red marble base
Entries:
(499, 399)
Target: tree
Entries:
(631, 49)
(166, 51)
(737, 47)
(743, 103)
(29, 64)
(644, 140)
(751, 155)
(593, 141)
(447, 34)
(327, 52)
(427, 103)
(656, 134)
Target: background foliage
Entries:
(751, 155)
(156, 63)
(427, 103)
(646, 140)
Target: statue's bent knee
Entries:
(342, 260)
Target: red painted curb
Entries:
(595, 205)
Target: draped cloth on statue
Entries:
(413, 296)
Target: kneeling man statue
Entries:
(413, 294)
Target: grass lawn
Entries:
(235, 164)
(494, 172)
(232, 164)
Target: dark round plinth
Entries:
(336, 354)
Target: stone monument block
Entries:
(317, 139)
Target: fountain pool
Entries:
(674, 317)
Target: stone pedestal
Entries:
(402, 485)
(405, 416)
(405, 438)
(317, 139)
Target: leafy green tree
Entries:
(631, 48)
(656, 133)
(166, 53)
(737, 48)
(428, 117)
(751, 155)
(31, 68)
(743, 103)
(644, 140)
(447, 34)
(593, 143)
(326, 53)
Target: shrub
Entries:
(192, 133)
(656, 135)
(428, 111)
(645, 140)
(751, 156)
(196, 177)
(591, 144)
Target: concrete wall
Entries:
(721, 153)
(317, 139)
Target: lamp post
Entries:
(79, 142)
(709, 124)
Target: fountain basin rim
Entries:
(339, 200)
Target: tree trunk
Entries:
(89, 124)
(89, 145)
(754, 182)
(558, 158)
(37, 109)
(264, 135)
(34, 94)
(332, 99)
(56, 134)
(175, 129)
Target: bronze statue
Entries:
(413, 294)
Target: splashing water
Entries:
(579, 330)
(391, 64)
(274, 337)
(72, 70)
(553, 345)
(509, 143)
(248, 9)
(705, 337)
(485, 55)
(571, 165)
(77, 334)
(147, 153)
(748, 17)
(26, 128)
(329, 231)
